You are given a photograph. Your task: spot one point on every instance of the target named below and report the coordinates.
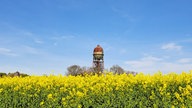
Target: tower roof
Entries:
(98, 49)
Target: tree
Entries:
(117, 69)
(94, 70)
(87, 70)
(132, 72)
(14, 74)
(2, 74)
(23, 75)
(74, 70)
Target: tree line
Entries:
(76, 70)
(14, 74)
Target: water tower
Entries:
(98, 62)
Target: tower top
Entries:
(98, 49)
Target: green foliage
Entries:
(23, 75)
(2, 74)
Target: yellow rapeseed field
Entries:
(104, 91)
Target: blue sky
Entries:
(46, 36)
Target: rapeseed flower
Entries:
(107, 90)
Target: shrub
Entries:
(2, 74)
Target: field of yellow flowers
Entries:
(104, 91)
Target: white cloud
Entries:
(123, 14)
(189, 40)
(38, 41)
(185, 60)
(175, 67)
(31, 50)
(144, 62)
(152, 64)
(58, 38)
(4, 50)
(26, 33)
(123, 51)
(151, 58)
(55, 44)
(67, 37)
(8, 52)
(17, 31)
(171, 46)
